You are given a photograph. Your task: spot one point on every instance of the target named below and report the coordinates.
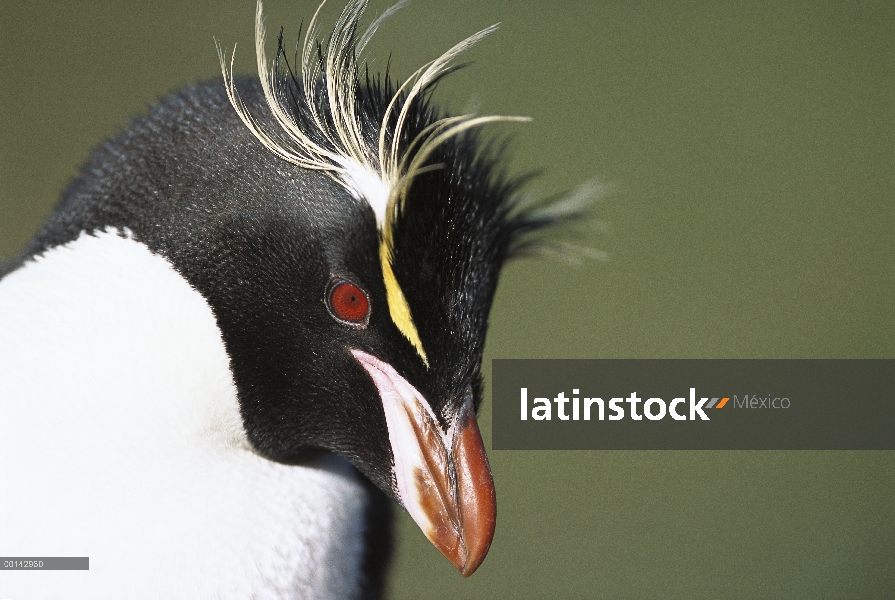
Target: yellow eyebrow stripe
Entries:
(397, 303)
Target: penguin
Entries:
(253, 324)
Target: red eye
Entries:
(348, 303)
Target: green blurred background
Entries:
(751, 149)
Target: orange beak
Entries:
(442, 477)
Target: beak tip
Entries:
(472, 565)
(464, 562)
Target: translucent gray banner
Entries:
(44, 563)
(693, 404)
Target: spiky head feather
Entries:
(321, 127)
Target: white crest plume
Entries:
(379, 175)
(375, 170)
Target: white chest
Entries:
(121, 440)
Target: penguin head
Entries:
(321, 357)
(301, 297)
(381, 361)
(348, 237)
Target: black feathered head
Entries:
(426, 219)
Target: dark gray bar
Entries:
(763, 404)
(44, 563)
